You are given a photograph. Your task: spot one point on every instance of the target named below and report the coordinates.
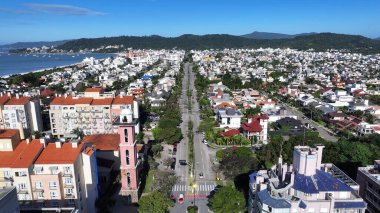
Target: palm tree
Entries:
(78, 132)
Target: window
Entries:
(129, 179)
(53, 120)
(67, 169)
(52, 115)
(68, 181)
(71, 201)
(20, 174)
(53, 195)
(38, 185)
(126, 135)
(53, 184)
(7, 174)
(40, 195)
(127, 157)
(22, 186)
(69, 191)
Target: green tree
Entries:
(78, 132)
(228, 199)
(155, 202)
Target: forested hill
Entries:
(319, 42)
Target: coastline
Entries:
(50, 68)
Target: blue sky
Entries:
(47, 20)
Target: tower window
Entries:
(127, 157)
(126, 135)
(129, 179)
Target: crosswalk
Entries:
(202, 188)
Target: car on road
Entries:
(314, 129)
(201, 175)
(181, 198)
(304, 117)
(182, 162)
(204, 141)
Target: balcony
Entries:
(6, 179)
(67, 174)
(38, 190)
(68, 185)
(22, 191)
(69, 196)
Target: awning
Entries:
(53, 167)
(38, 168)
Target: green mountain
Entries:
(266, 35)
(20, 45)
(318, 42)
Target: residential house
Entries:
(256, 126)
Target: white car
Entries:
(204, 141)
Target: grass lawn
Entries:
(149, 181)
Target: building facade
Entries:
(49, 176)
(369, 180)
(24, 110)
(92, 113)
(306, 186)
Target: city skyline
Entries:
(46, 21)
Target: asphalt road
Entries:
(322, 130)
(202, 154)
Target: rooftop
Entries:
(8, 133)
(104, 142)
(18, 101)
(64, 155)
(23, 155)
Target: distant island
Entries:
(305, 41)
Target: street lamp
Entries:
(194, 188)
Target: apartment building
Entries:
(18, 109)
(16, 162)
(49, 177)
(64, 177)
(369, 180)
(306, 186)
(92, 112)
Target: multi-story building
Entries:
(16, 162)
(24, 110)
(306, 186)
(3, 100)
(256, 126)
(8, 200)
(64, 177)
(369, 180)
(54, 176)
(92, 112)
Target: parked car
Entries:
(182, 162)
(181, 198)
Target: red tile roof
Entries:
(64, 155)
(93, 90)
(102, 101)
(47, 92)
(254, 126)
(224, 104)
(123, 100)
(230, 133)
(3, 99)
(104, 142)
(18, 101)
(23, 156)
(69, 100)
(8, 133)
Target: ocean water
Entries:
(23, 63)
